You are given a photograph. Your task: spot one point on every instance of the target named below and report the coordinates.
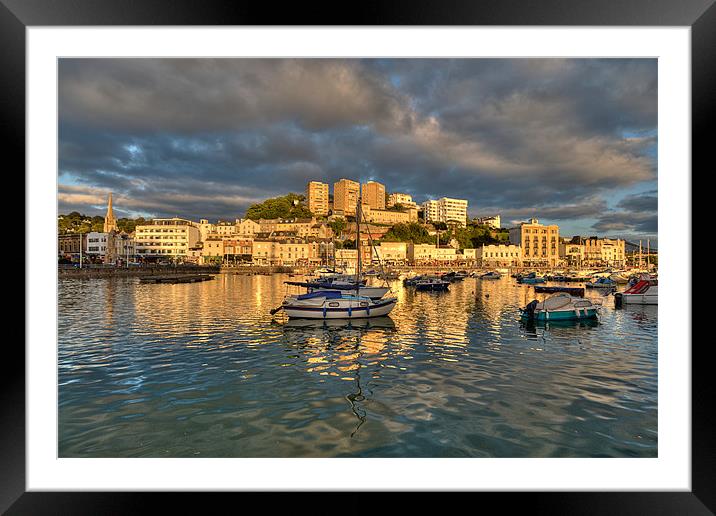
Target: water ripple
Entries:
(202, 370)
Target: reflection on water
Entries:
(201, 369)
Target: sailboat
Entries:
(339, 304)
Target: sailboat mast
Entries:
(358, 269)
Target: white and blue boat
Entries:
(560, 307)
(340, 299)
(332, 304)
(602, 282)
(531, 279)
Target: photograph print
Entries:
(383, 257)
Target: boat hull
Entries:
(563, 315)
(355, 311)
(432, 287)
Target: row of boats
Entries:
(335, 295)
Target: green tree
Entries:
(409, 232)
(286, 207)
(337, 225)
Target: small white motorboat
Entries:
(560, 307)
(644, 292)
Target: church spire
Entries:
(109, 223)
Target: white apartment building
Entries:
(110, 246)
(402, 199)
(446, 210)
(493, 221)
(166, 238)
(431, 211)
(501, 255)
(97, 243)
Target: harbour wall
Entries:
(109, 271)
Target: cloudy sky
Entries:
(569, 141)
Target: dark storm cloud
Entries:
(636, 215)
(205, 138)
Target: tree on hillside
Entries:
(286, 207)
(409, 232)
(337, 226)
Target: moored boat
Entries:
(363, 290)
(531, 278)
(432, 284)
(575, 291)
(492, 275)
(331, 304)
(644, 292)
(560, 307)
(601, 282)
(342, 299)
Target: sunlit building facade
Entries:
(345, 197)
(539, 243)
(317, 198)
(374, 195)
(166, 238)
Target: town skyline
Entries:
(571, 142)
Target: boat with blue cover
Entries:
(531, 278)
(491, 275)
(560, 307)
(332, 304)
(341, 299)
(603, 282)
(363, 290)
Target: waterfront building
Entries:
(402, 199)
(539, 243)
(124, 246)
(391, 253)
(272, 252)
(213, 249)
(604, 251)
(470, 255)
(499, 255)
(69, 244)
(446, 210)
(110, 224)
(345, 197)
(427, 253)
(374, 195)
(571, 252)
(348, 258)
(166, 238)
(98, 244)
(317, 198)
(493, 221)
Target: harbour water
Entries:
(203, 370)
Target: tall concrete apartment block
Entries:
(539, 243)
(374, 195)
(345, 197)
(446, 210)
(317, 198)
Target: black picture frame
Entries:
(700, 15)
